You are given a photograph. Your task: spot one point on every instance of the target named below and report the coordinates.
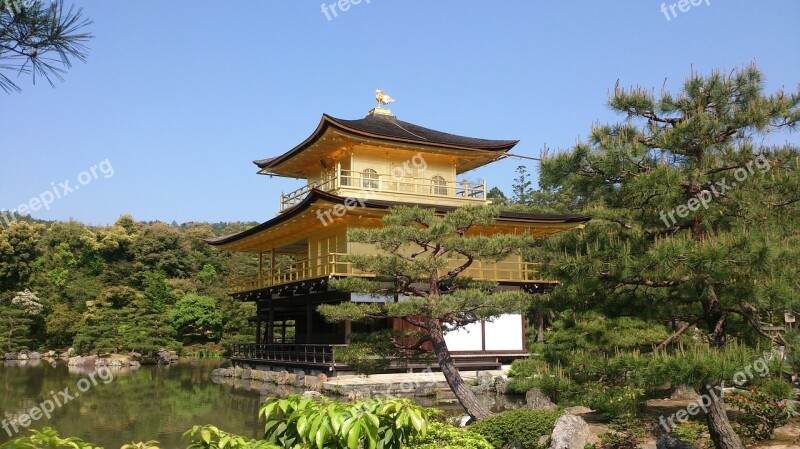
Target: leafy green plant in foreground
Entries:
(47, 438)
(211, 437)
(321, 423)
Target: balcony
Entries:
(371, 184)
(289, 354)
(334, 265)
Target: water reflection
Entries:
(155, 403)
(139, 404)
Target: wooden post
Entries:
(308, 319)
(260, 268)
(271, 324)
(348, 328)
(258, 330)
(272, 266)
(483, 335)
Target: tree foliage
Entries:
(694, 219)
(419, 259)
(197, 318)
(40, 39)
(694, 230)
(115, 288)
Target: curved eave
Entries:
(319, 195)
(500, 146)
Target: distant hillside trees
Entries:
(130, 286)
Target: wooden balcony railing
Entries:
(338, 180)
(288, 353)
(333, 265)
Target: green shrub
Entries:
(692, 432)
(210, 437)
(612, 401)
(762, 414)
(553, 382)
(526, 367)
(525, 426)
(626, 433)
(380, 423)
(777, 389)
(47, 438)
(444, 436)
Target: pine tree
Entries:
(415, 249)
(694, 219)
(39, 39)
(17, 316)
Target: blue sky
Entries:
(180, 96)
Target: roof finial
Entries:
(383, 99)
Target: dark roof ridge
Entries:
(393, 129)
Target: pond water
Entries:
(148, 403)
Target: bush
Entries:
(321, 423)
(48, 438)
(210, 437)
(526, 367)
(551, 381)
(777, 389)
(524, 426)
(692, 432)
(445, 436)
(762, 414)
(612, 401)
(626, 432)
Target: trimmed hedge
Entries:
(443, 436)
(523, 425)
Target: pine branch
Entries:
(414, 322)
(668, 231)
(749, 313)
(646, 282)
(675, 336)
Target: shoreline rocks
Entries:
(298, 379)
(570, 432)
(537, 400)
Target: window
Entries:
(369, 179)
(438, 186)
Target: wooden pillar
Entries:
(258, 330)
(348, 328)
(272, 266)
(260, 269)
(271, 324)
(308, 319)
(483, 335)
